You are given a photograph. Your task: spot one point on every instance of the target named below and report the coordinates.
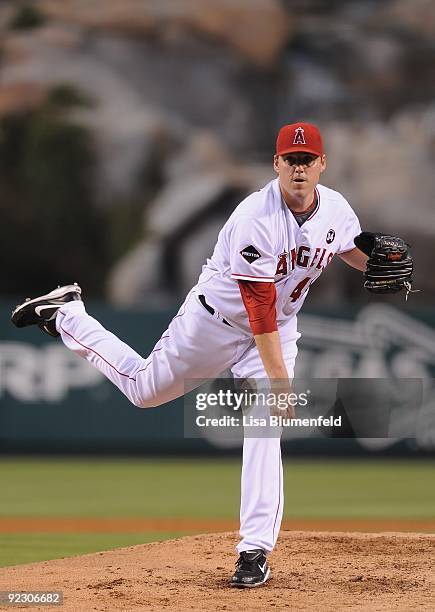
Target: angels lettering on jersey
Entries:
(312, 259)
(304, 257)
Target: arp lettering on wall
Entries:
(45, 373)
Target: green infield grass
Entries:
(192, 488)
(17, 548)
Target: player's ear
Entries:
(322, 163)
(276, 163)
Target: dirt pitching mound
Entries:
(311, 571)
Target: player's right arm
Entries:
(259, 299)
(269, 347)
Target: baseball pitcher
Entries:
(275, 244)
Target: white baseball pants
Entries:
(196, 345)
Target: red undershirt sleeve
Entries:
(259, 299)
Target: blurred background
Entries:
(129, 131)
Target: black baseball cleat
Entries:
(42, 311)
(252, 569)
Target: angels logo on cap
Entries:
(299, 136)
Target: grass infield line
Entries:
(130, 525)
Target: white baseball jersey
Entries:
(261, 241)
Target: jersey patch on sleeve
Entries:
(250, 253)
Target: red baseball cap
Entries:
(298, 137)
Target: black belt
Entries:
(210, 309)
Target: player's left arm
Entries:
(355, 258)
(347, 250)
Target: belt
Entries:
(210, 309)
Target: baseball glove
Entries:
(389, 266)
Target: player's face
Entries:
(299, 173)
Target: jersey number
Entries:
(282, 265)
(298, 290)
